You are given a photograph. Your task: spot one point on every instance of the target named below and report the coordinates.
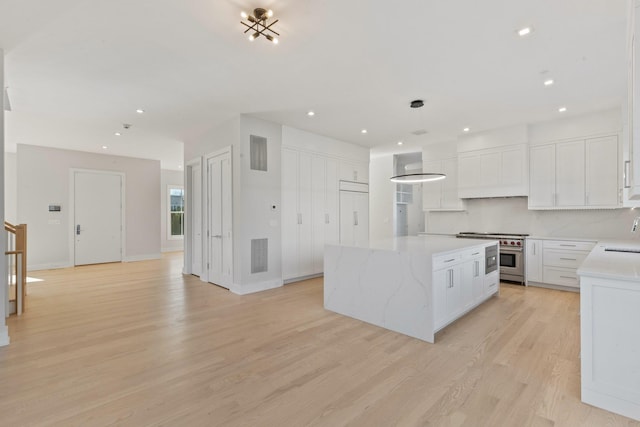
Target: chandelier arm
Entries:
(268, 27)
(249, 27)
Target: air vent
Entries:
(419, 132)
(259, 255)
(258, 153)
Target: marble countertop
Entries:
(429, 245)
(613, 265)
(573, 239)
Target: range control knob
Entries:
(518, 243)
(512, 242)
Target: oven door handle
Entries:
(510, 249)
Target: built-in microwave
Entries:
(490, 259)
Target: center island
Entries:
(415, 285)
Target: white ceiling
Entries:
(78, 69)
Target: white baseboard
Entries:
(255, 287)
(4, 336)
(50, 266)
(143, 257)
(163, 250)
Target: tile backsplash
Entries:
(510, 215)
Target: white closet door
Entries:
(289, 214)
(332, 201)
(196, 219)
(318, 214)
(305, 242)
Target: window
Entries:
(176, 212)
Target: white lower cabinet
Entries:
(610, 344)
(460, 284)
(554, 262)
(533, 262)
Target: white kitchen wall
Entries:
(260, 191)
(510, 215)
(168, 178)
(43, 178)
(10, 188)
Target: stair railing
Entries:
(17, 266)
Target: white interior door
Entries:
(196, 219)
(97, 217)
(219, 220)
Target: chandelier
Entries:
(258, 24)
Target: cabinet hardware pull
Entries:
(534, 248)
(570, 246)
(449, 260)
(299, 218)
(476, 253)
(568, 277)
(627, 183)
(568, 259)
(326, 218)
(355, 217)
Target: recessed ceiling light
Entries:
(548, 82)
(139, 111)
(466, 130)
(104, 147)
(400, 143)
(117, 134)
(524, 31)
(562, 109)
(179, 166)
(311, 113)
(363, 131)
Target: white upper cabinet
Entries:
(570, 178)
(493, 172)
(442, 195)
(354, 171)
(575, 174)
(633, 151)
(542, 181)
(602, 179)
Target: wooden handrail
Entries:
(19, 248)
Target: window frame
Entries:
(169, 212)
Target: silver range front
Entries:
(512, 264)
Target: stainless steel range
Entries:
(511, 253)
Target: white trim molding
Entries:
(142, 257)
(251, 288)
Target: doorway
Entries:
(219, 219)
(194, 195)
(98, 216)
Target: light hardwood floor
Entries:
(140, 344)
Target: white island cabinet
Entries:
(414, 285)
(610, 328)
